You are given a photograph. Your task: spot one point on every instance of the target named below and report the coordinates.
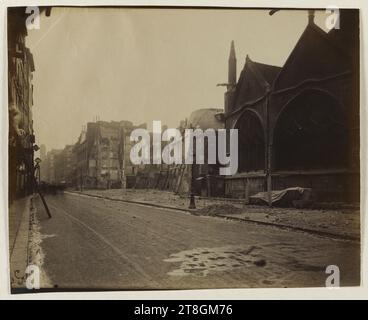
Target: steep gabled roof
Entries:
(254, 81)
(267, 72)
(315, 56)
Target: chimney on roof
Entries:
(310, 16)
(232, 66)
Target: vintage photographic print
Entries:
(183, 148)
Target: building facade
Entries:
(102, 155)
(21, 146)
(20, 95)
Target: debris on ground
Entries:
(295, 196)
(215, 209)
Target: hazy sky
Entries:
(145, 64)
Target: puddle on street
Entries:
(201, 261)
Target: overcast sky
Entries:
(145, 64)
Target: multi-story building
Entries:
(20, 93)
(102, 155)
(20, 101)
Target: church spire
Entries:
(232, 65)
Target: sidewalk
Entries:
(342, 223)
(19, 225)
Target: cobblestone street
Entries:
(98, 243)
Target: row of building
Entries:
(99, 159)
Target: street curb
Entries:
(150, 204)
(289, 227)
(258, 222)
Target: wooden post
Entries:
(40, 194)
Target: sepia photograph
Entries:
(157, 148)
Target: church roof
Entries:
(254, 81)
(315, 56)
(268, 72)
